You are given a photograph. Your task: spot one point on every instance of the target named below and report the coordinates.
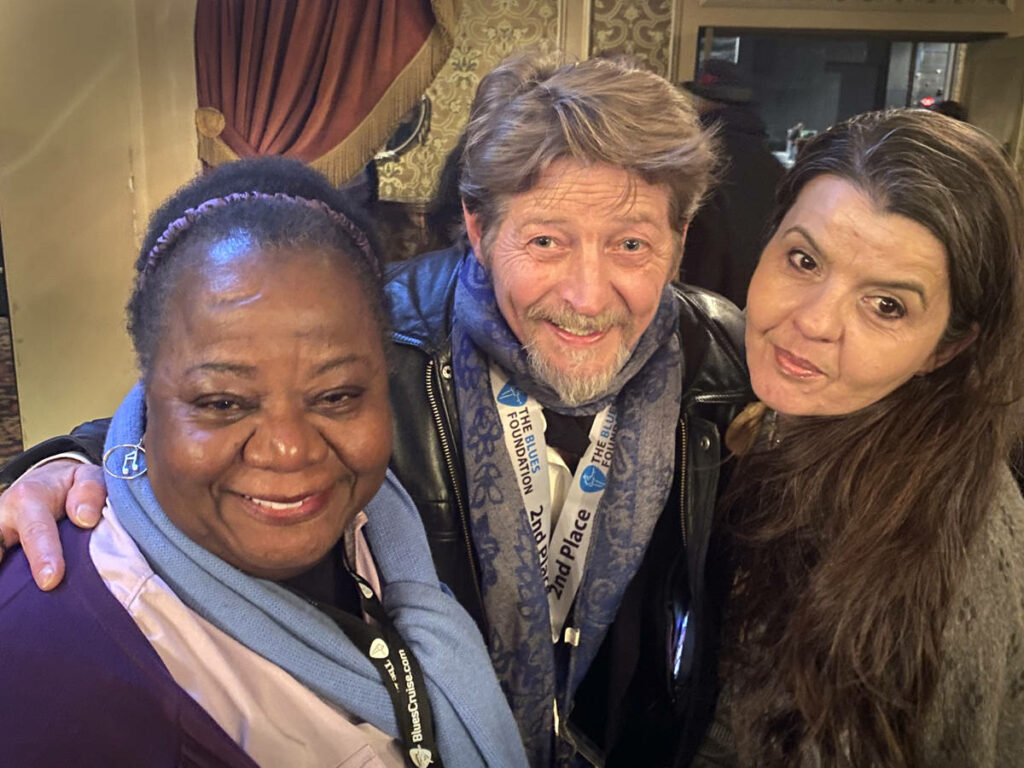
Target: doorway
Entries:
(815, 79)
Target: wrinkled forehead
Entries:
(590, 194)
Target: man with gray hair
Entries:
(558, 408)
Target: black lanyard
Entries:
(398, 669)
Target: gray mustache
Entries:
(579, 324)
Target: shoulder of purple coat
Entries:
(82, 685)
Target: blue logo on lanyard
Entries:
(511, 396)
(593, 480)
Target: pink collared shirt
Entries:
(276, 719)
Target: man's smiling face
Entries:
(578, 264)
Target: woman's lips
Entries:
(282, 510)
(795, 366)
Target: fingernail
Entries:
(86, 515)
(46, 574)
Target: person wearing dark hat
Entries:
(950, 108)
(726, 235)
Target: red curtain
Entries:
(324, 81)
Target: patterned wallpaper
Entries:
(488, 31)
(641, 28)
(926, 6)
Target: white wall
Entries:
(96, 105)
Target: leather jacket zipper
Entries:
(446, 449)
(721, 397)
(683, 517)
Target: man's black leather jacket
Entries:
(631, 684)
(428, 460)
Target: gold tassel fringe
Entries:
(355, 151)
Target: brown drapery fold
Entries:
(324, 81)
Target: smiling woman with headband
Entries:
(260, 590)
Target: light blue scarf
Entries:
(473, 723)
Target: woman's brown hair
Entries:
(850, 532)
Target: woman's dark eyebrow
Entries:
(248, 371)
(339, 362)
(903, 285)
(807, 236)
(895, 285)
(245, 371)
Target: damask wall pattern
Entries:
(936, 6)
(641, 28)
(488, 31)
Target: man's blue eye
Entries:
(632, 244)
(544, 241)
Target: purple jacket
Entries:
(82, 686)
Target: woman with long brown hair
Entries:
(877, 609)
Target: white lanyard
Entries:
(562, 551)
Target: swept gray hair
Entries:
(531, 111)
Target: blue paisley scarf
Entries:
(647, 394)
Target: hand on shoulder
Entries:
(30, 507)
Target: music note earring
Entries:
(130, 457)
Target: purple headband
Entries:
(180, 225)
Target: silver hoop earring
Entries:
(126, 461)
